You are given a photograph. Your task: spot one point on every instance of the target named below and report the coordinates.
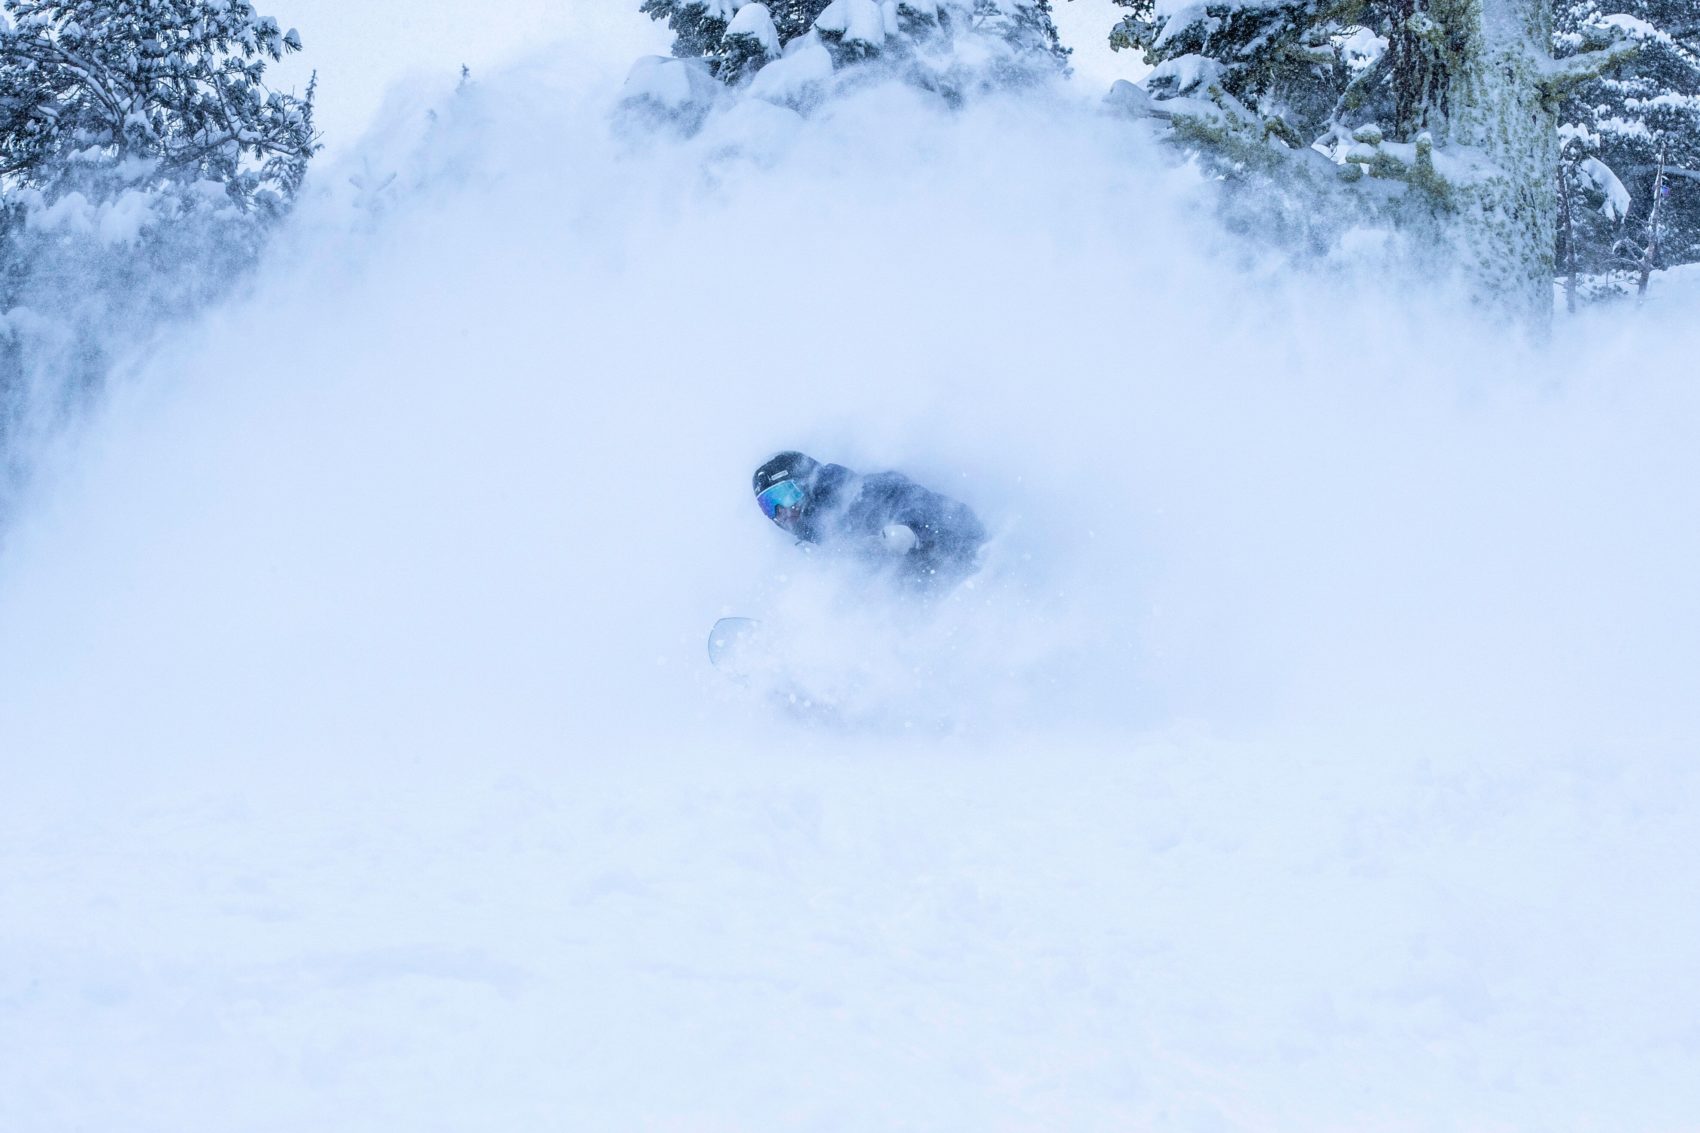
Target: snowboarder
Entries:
(933, 542)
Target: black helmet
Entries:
(785, 466)
(782, 488)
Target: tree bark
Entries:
(1567, 242)
(1654, 216)
(1506, 210)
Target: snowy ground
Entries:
(1317, 752)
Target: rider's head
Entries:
(782, 487)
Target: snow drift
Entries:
(1315, 752)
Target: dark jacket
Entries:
(850, 512)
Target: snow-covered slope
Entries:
(1317, 750)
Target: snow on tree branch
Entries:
(175, 83)
(774, 48)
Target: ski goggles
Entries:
(783, 495)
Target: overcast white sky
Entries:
(361, 49)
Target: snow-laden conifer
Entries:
(1008, 41)
(1630, 175)
(142, 158)
(751, 40)
(106, 94)
(1443, 114)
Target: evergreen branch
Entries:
(1566, 74)
(46, 52)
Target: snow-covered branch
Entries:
(1565, 75)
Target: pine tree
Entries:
(1446, 107)
(1593, 207)
(1637, 124)
(698, 27)
(142, 161)
(916, 37)
(751, 41)
(91, 90)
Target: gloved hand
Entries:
(898, 539)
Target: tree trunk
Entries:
(1651, 252)
(1507, 214)
(1567, 242)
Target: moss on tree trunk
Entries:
(1507, 217)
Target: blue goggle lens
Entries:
(785, 494)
